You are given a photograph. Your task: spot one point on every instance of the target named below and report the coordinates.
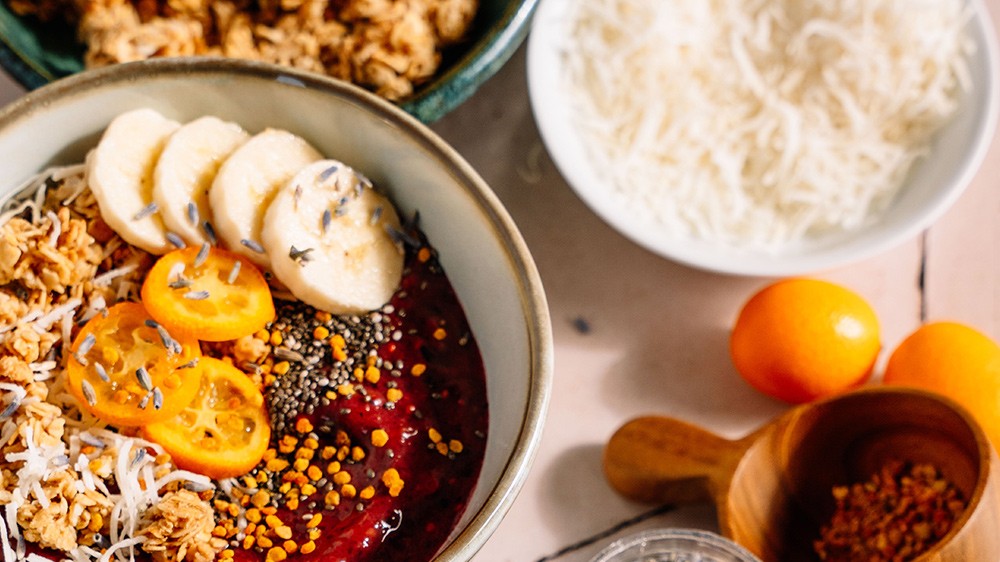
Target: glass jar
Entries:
(674, 545)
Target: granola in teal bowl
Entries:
(428, 56)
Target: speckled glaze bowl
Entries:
(36, 55)
(481, 250)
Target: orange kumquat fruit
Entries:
(954, 360)
(799, 340)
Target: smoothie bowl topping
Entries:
(387, 46)
(217, 345)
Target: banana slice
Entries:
(326, 233)
(120, 173)
(185, 171)
(246, 184)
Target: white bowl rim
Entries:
(532, 297)
(711, 257)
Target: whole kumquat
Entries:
(803, 339)
(957, 361)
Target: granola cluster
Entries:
(180, 528)
(43, 265)
(54, 251)
(58, 512)
(387, 46)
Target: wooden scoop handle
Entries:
(657, 459)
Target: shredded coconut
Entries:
(56, 229)
(31, 193)
(62, 468)
(105, 278)
(8, 552)
(128, 543)
(764, 122)
(43, 323)
(16, 209)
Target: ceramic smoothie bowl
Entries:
(471, 237)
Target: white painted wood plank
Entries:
(658, 339)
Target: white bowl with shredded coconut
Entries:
(771, 137)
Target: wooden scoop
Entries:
(772, 489)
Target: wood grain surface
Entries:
(637, 335)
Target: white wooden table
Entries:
(658, 333)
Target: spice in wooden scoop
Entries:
(894, 516)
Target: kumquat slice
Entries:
(224, 431)
(208, 293)
(128, 370)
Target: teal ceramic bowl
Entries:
(36, 54)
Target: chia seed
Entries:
(313, 370)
